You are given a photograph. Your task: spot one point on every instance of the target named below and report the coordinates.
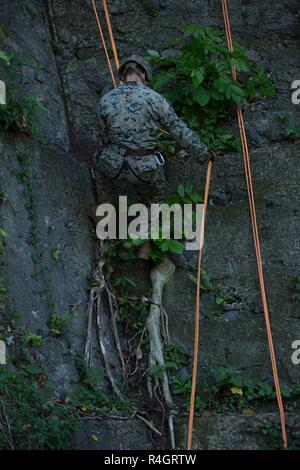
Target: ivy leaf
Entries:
(171, 365)
(181, 191)
(5, 57)
(236, 391)
(153, 53)
(33, 369)
(163, 78)
(236, 93)
(202, 96)
(3, 233)
(198, 76)
(176, 247)
(173, 199)
(248, 411)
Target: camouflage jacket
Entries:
(133, 114)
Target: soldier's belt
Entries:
(139, 152)
(145, 153)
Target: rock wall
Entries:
(63, 36)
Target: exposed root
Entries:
(156, 325)
(113, 309)
(160, 275)
(103, 351)
(134, 415)
(94, 310)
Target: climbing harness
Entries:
(160, 161)
(155, 156)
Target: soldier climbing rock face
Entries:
(131, 117)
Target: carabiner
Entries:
(159, 158)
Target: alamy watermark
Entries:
(296, 354)
(2, 353)
(296, 94)
(2, 92)
(156, 221)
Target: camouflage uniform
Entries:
(130, 117)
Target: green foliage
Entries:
(22, 111)
(55, 46)
(35, 422)
(292, 132)
(58, 323)
(160, 247)
(56, 254)
(259, 84)
(176, 354)
(24, 176)
(128, 247)
(131, 312)
(235, 391)
(207, 285)
(199, 83)
(158, 369)
(90, 398)
(8, 319)
(34, 340)
(224, 298)
(176, 358)
(186, 194)
(272, 434)
(282, 115)
(3, 233)
(90, 377)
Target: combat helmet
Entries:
(141, 61)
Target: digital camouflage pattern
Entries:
(133, 114)
(131, 117)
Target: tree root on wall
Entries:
(157, 325)
(95, 308)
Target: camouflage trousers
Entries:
(140, 178)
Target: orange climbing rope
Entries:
(197, 312)
(256, 235)
(104, 43)
(111, 35)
